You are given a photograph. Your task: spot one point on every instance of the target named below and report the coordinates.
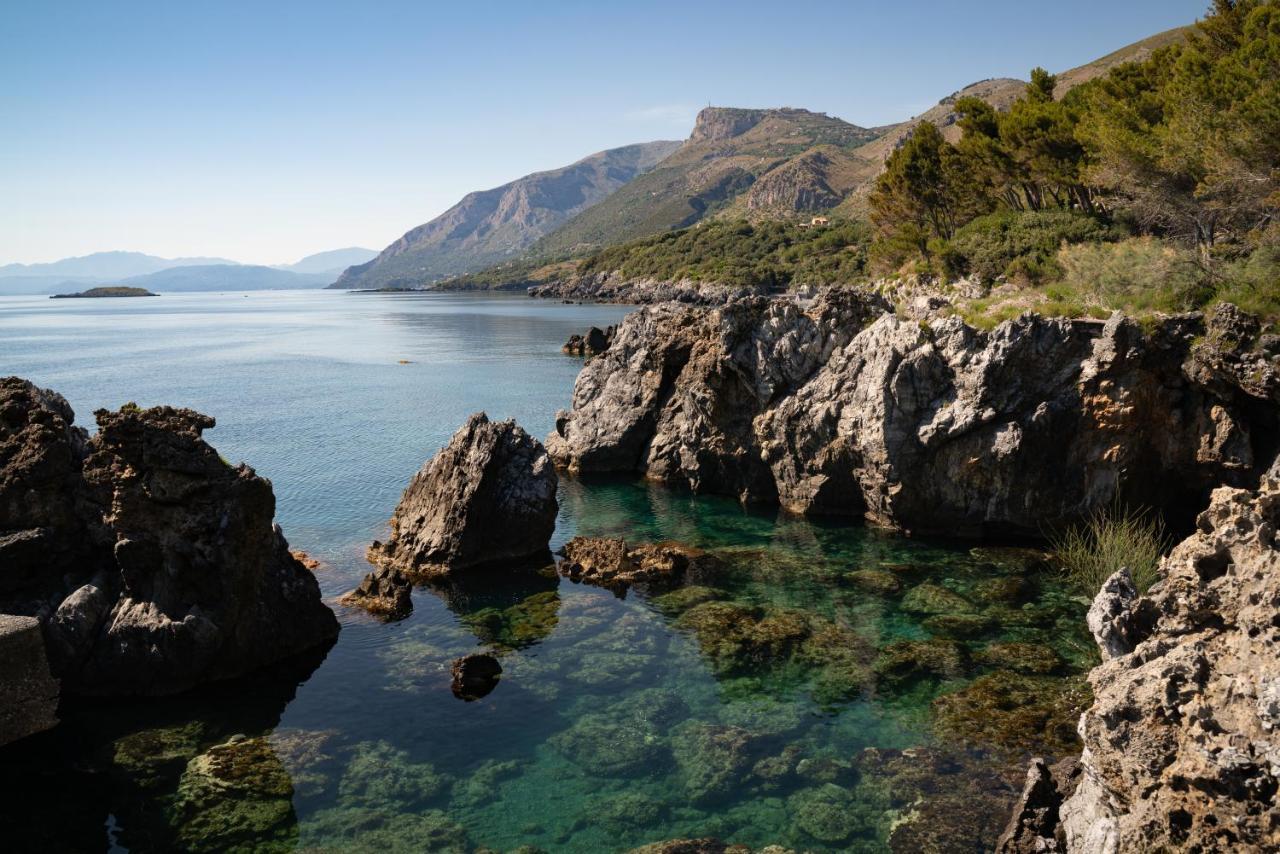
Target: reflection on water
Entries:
(827, 688)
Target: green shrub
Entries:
(1138, 275)
(1023, 244)
(1253, 283)
(1108, 541)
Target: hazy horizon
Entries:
(264, 135)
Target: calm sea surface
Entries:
(769, 704)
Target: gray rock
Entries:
(488, 498)
(844, 408)
(1181, 747)
(28, 692)
(1110, 616)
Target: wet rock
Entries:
(386, 595)
(487, 498)
(1005, 590)
(475, 676)
(876, 581)
(593, 343)
(1010, 713)
(826, 813)
(1028, 658)
(628, 812)
(236, 795)
(626, 740)
(929, 598)
(902, 662)
(773, 771)
(28, 693)
(377, 830)
(481, 786)
(678, 601)
(824, 769)
(1034, 827)
(713, 760)
(159, 565)
(1181, 747)
(611, 563)
(380, 775)
(962, 626)
(738, 637)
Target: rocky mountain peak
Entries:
(714, 123)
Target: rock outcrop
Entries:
(152, 564)
(610, 563)
(617, 287)
(840, 407)
(28, 691)
(474, 676)
(487, 498)
(593, 343)
(1182, 742)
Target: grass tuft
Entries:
(1109, 540)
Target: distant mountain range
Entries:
(175, 274)
(780, 163)
(490, 226)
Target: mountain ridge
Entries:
(488, 226)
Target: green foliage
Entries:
(771, 255)
(1108, 541)
(1022, 243)
(1139, 275)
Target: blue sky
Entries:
(264, 132)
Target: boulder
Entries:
(1182, 741)
(487, 498)
(165, 569)
(593, 343)
(474, 676)
(28, 692)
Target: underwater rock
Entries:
(627, 812)
(1007, 712)
(929, 598)
(826, 813)
(379, 830)
(904, 661)
(236, 795)
(1028, 658)
(159, 567)
(481, 786)
(474, 676)
(931, 427)
(1006, 589)
(876, 581)
(612, 564)
(380, 775)
(626, 739)
(772, 771)
(28, 693)
(486, 498)
(707, 845)
(960, 626)
(713, 760)
(739, 637)
(1182, 741)
(682, 599)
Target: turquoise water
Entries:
(828, 688)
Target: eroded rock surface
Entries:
(488, 497)
(611, 563)
(1182, 742)
(840, 407)
(161, 568)
(28, 692)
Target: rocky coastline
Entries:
(839, 406)
(150, 563)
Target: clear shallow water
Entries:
(765, 704)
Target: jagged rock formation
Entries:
(490, 226)
(593, 343)
(610, 563)
(841, 407)
(1182, 743)
(488, 497)
(152, 564)
(619, 288)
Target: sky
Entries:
(263, 132)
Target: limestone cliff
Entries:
(841, 407)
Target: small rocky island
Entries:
(107, 292)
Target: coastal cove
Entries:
(831, 688)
